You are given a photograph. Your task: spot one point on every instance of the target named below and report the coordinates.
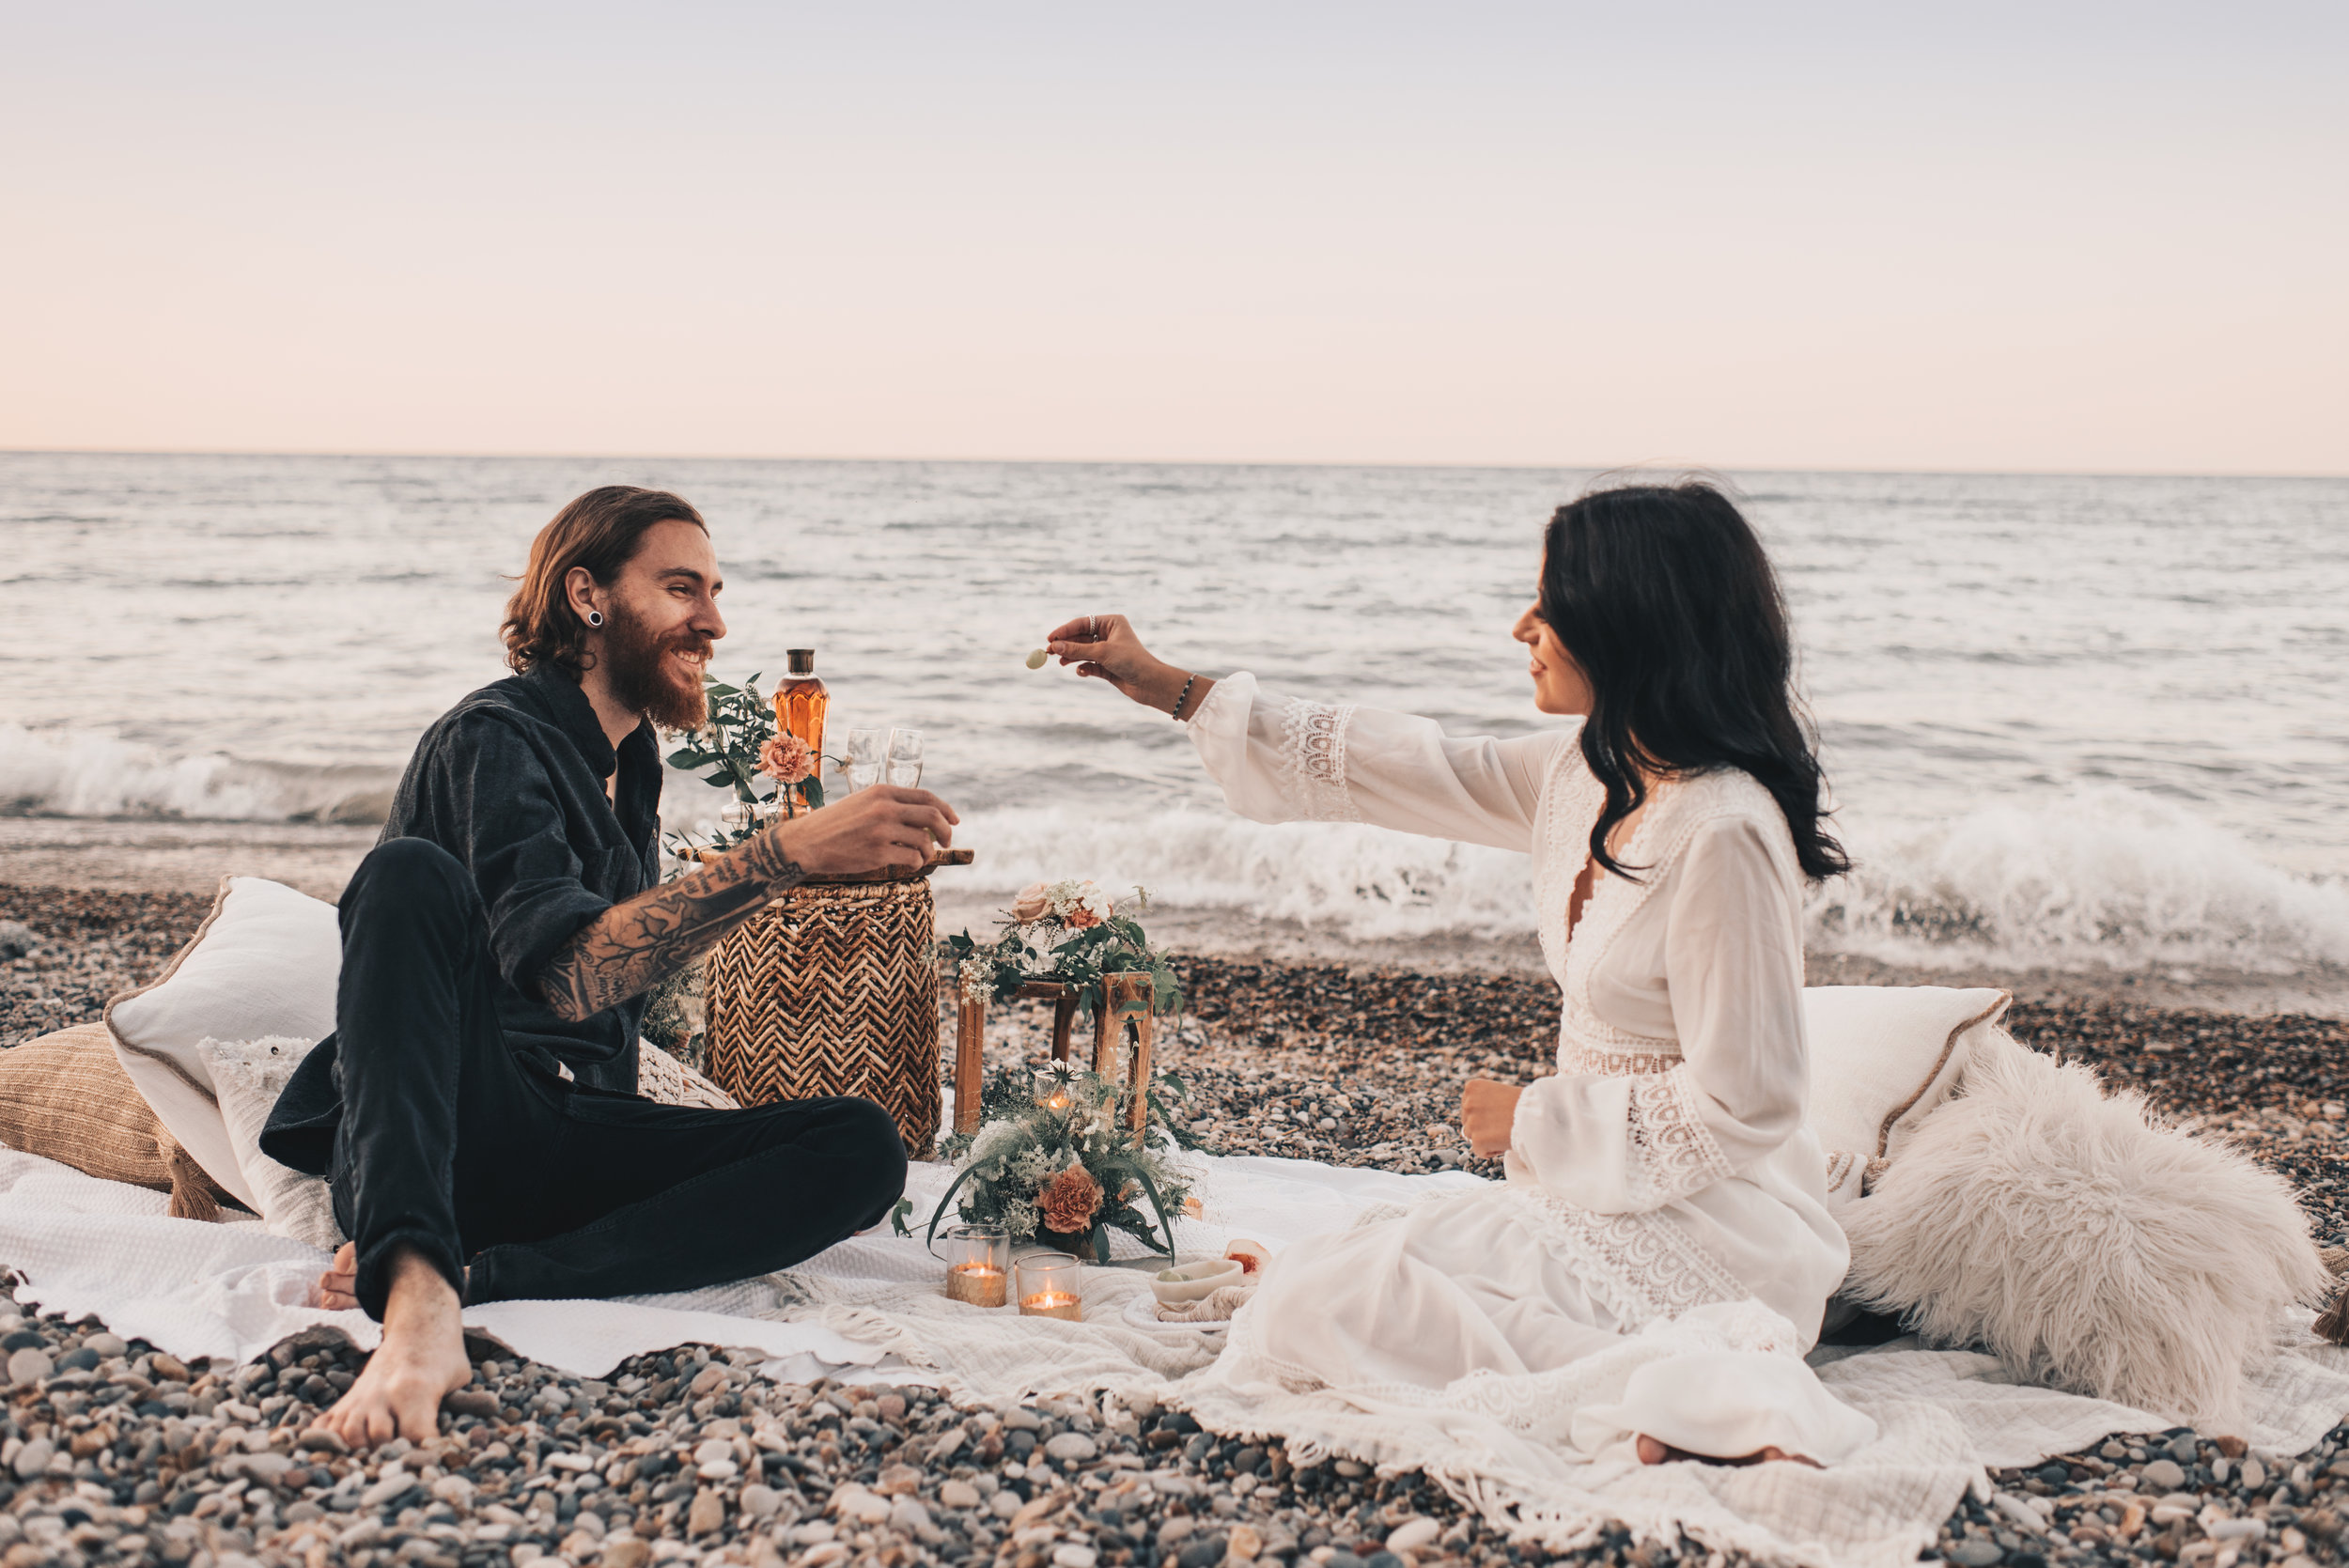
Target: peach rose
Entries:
(787, 759)
(1069, 1201)
(1032, 904)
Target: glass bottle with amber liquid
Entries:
(800, 702)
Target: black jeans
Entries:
(543, 1187)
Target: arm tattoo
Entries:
(632, 947)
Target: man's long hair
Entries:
(600, 530)
(1666, 599)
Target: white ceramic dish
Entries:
(1199, 1280)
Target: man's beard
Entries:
(636, 662)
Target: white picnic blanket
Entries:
(875, 1304)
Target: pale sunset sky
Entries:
(2042, 236)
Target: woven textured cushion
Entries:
(263, 964)
(1882, 1057)
(65, 1097)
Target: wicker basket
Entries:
(831, 990)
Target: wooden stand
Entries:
(1128, 1010)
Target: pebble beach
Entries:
(112, 1451)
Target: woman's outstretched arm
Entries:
(1286, 759)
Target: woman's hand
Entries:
(1106, 648)
(1487, 1111)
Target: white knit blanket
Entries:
(874, 1304)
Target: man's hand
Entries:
(633, 946)
(881, 825)
(1488, 1112)
(337, 1289)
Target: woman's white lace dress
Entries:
(1664, 1169)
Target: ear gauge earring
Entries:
(595, 618)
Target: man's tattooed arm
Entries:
(632, 947)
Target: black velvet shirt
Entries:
(511, 783)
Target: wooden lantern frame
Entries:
(1128, 1004)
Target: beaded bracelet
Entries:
(1177, 710)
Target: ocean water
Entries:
(2083, 723)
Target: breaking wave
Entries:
(2096, 877)
(96, 773)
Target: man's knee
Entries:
(867, 1135)
(411, 874)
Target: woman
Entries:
(1664, 1169)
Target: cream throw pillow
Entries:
(248, 1075)
(262, 966)
(1882, 1057)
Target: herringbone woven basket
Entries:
(831, 990)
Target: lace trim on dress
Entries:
(1673, 1154)
(1643, 1266)
(1312, 759)
(1582, 1062)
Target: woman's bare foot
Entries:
(421, 1358)
(337, 1289)
(1654, 1453)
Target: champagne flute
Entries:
(865, 751)
(904, 757)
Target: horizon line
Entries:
(1689, 467)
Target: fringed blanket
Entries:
(875, 1304)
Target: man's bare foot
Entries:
(337, 1289)
(421, 1358)
(1654, 1453)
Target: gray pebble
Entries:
(1071, 1445)
(2163, 1475)
(1974, 1552)
(16, 939)
(1021, 1419)
(1203, 1554)
(107, 1345)
(2254, 1475)
(30, 1366)
(2184, 1449)
(33, 1457)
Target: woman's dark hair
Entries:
(600, 530)
(1665, 597)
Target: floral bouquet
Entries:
(1053, 1161)
(1069, 931)
(764, 768)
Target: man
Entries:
(475, 1110)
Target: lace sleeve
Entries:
(1672, 1153)
(1617, 1142)
(1281, 758)
(1312, 760)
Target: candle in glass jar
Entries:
(976, 1283)
(1047, 1286)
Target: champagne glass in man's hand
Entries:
(877, 827)
(1105, 648)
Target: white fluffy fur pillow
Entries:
(2085, 1244)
